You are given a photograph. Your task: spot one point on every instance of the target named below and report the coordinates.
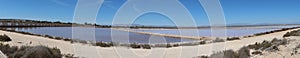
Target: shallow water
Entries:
(100, 34)
(109, 35)
(228, 32)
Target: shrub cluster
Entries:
(241, 53)
(69, 56)
(244, 52)
(4, 38)
(104, 44)
(292, 33)
(219, 40)
(268, 45)
(30, 52)
(257, 53)
(233, 38)
(283, 29)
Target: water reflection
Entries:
(101, 34)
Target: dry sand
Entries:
(89, 51)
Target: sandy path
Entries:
(125, 52)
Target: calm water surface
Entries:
(109, 35)
(230, 32)
(100, 34)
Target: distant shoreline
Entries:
(35, 23)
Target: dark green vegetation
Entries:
(219, 40)
(244, 52)
(283, 29)
(269, 45)
(4, 38)
(292, 33)
(232, 38)
(104, 44)
(30, 52)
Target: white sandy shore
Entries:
(89, 51)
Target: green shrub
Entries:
(265, 44)
(58, 38)
(244, 52)
(292, 33)
(135, 45)
(257, 53)
(255, 46)
(67, 39)
(6, 49)
(30, 52)
(270, 46)
(225, 54)
(4, 38)
(233, 38)
(175, 45)
(219, 40)
(37, 52)
(146, 46)
(202, 42)
(103, 44)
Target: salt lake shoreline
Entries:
(70, 48)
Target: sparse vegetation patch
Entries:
(5, 38)
(30, 52)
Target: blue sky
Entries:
(236, 11)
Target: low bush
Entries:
(219, 40)
(4, 38)
(30, 52)
(135, 45)
(225, 54)
(233, 38)
(257, 53)
(244, 52)
(67, 39)
(146, 46)
(6, 49)
(37, 52)
(202, 42)
(79, 41)
(169, 46)
(263, 45)
(271, 45)
(292, 33)
(175, 45)
(58, 38)
(103, 44)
